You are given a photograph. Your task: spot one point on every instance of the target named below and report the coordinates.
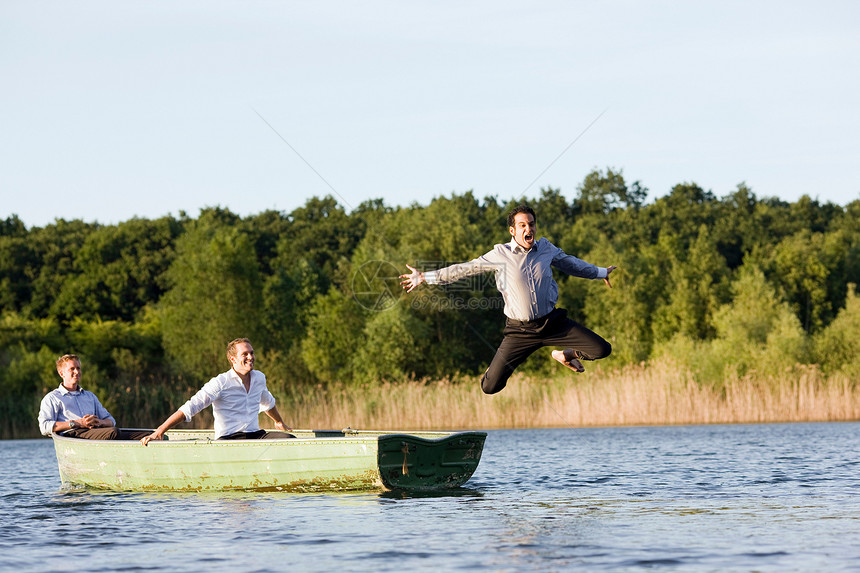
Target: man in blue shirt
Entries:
(523, 269)
(74, 412)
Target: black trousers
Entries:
(258, 435)
(523, 338)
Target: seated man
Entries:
(237, 398)
(74, 412)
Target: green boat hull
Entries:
(190, 460)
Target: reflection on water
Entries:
(446, 493)
(698, 498)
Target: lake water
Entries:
(690, 498)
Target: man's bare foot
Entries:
(568, 358)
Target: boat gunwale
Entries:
(353, 436)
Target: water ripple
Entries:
(695, 498)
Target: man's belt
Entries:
(529, 323)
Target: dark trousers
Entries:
(523, 338)
(112, 433)
(258, 435)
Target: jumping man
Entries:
(523, 269)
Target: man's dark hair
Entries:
(520, 209)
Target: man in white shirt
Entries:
(523, 269)
(77, 413)
(237, 397)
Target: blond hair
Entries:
(231, 346)
(66, 358)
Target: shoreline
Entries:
(655, 394)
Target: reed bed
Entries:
(657, 394)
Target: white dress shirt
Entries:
(234, 409)
(524, 277)
(62, 405)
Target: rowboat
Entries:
(315, 460)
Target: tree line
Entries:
(726, 285)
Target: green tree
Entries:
(554, 214)
(17, 264)
(266, 230)
(287, 293)
(28, 375)
(837, 347)
(334, 332)
(604, 192)
(741, 224)
(391, 345)
(695, 285)
(757, 331)
(683, 211)
(809, 214)
(23, 343)
(620, 315)
(448, 230)
(50, 262)
(797, 265)
(215, 295)
(119, 269)
(116, 347)
(323, 232)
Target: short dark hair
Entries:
(520, 209)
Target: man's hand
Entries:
(282, 427)
(411, 281)
(606, 278)
(156, 435)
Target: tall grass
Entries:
(658, 394)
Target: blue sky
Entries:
(112, 110)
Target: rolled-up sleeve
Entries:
(47, 415)
(201, 399)
(267, 401)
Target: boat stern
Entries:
(414, 463)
